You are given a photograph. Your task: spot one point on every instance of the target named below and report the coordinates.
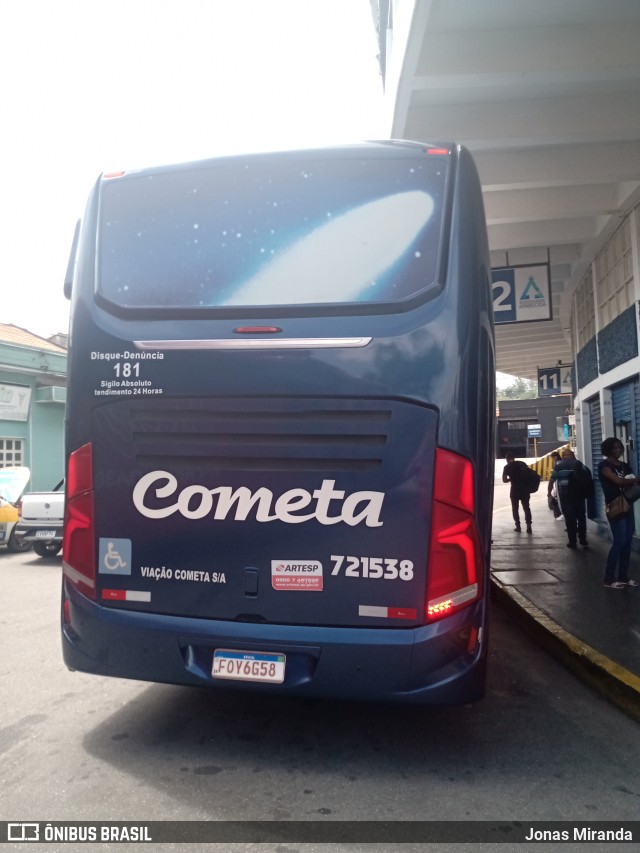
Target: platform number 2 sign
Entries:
(521, 294)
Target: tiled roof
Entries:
(10, 334)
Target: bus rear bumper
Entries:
(442, 663)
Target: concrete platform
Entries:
(557, 595)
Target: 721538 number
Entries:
(372, 567)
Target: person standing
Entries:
(572, 505)
(615, 476)
(515, 472)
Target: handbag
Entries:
(554, 506)
(632, 493)
(617, 508)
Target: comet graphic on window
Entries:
(341, 258)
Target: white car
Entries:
(42, 520)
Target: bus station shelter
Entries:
(546, 96)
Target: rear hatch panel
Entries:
(309, 511)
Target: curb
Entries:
(612, 681)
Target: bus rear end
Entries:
(279, 426)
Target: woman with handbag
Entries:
(616, 476)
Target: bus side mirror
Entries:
(68, 279)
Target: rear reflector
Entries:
(474, 639)
(455, 555)
(387, 612)
(125, 595)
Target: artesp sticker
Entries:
(297, 575)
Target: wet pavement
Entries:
(557, 595)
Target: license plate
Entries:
(248, 666)
(45, 534)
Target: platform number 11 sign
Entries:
(554, 380)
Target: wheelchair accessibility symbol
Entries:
(115, 557)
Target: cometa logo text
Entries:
(327, 504)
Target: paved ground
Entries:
(556, 593)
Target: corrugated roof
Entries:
(10, 334)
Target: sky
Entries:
(91, 86)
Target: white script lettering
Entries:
(196, 502)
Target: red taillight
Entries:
(455, 555)
(80, 473)
(454, 481)
(78, 547)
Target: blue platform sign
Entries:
(521, 294)
(554, 380)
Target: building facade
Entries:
(33, 378)
(533, 428)
(604, 327)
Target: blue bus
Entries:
(280, 425)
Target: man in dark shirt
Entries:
(573, 507)
(515, 472)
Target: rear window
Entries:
(272, 231)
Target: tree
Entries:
(521, 389)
